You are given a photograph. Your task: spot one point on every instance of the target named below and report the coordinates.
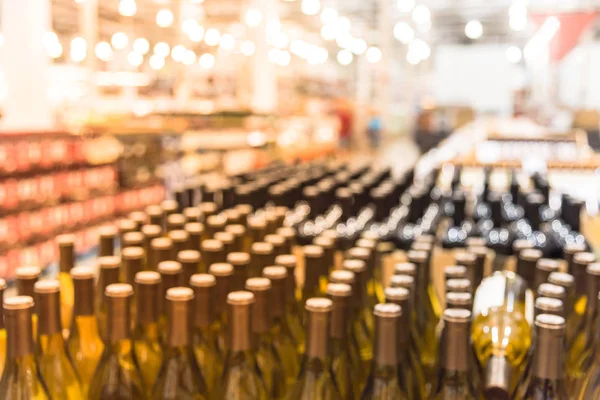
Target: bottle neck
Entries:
(132, 266)
(118, 320)
(83, 292)
(290, 285)
(19, 330)
(204, 314)
(313, 269)
(277, 306)
(221, 291)
(147, 303)
(48, 308)
(455, 348)
(548, 361)
(261, 313)
(340, 317)
(179, 327)
(240, 337)
(317, 341)
(66, 258)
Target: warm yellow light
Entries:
(162, 49)
(141, 45)
(119, 40)
(135, 59)
(373, 55)
(164, 18)
(253, 18)
(156, 62)
(247, 48)
(207, 61)
(103, 51)
(212, 37)
(227, 42)
(127, 8)
(78, 49)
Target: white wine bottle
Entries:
(21, 379)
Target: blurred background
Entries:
(106, 106)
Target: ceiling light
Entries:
(403, 33)
(103, 51)
(189, 25)
(189, 58)
(157, 62)
(328, 32)
(135, 59)
(127, 8)
(358, 46)
(328, 15)
(164, 18)
(247, 48)
(317, 55)
(178, 52)
(284, 58)
(78, 49)
(406, 6)
(207, 61)
(344, 57)
(212, 37)
(473, 29)
(281, 40)
(419, 48)
(413, 58)
(424, 27)
(253, 18)
(227, 42)
(273, 55)
(373, 55)
(344, 40)
(421, 14)
(119, 40)
(48, 39)
(197, 34)
(344, 24)
(311, 7)
(55, 50)
(517, 22)
(141, 45)
(162, 49)
(514, 54)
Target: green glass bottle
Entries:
(190, 264)
(205, 331)
(456, 378)
(25, 279)
(84, 344)
(314, 265)
(589, 386)
(223, 273)
(385, 380)
(267, 358)
(241, 265)
(548, 364)
(213, 252)
(414, 379)
(568, 283)
(21, 378)
(369, 296)
(179, 377)
(54, 364)
(241, 378)
(108, 274)
(66, 261)
(293, 317)
(171, 275)
(280, 333)
(346, 368)
(146, 332)
(316, 379)
(118, 374)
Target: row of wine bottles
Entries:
(203, 301)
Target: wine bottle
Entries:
(462, 300)
(146, 332)
(345, 361)
(481, 265)
(180, 239)
(568, 283)
(108, 274)
(257, 228)
(360, 314)
(474, 269)
(427, 311)
(171, 275)
(548, 305)
(179, 376)
(175, 222)
(455, 272)
(212, 252)
(314, 267)
(125, 226)
(278, 243)
(543, 269)
(54, 364)
(408, 356)
(589, 386)
(169, 207)
(577, 267)
(526, 265)
(227, 239)
(106, 245)
(370, 297)
(579, 357)
(241, 379)
(458, 285)
(553, 291)
(190, 264)
(21, 378)
(155, 214)
(84, 344)
(501, 332)
(293, 315)
(289, 234)
(192, 214)
(132, 258)
(385, 380)
(241, 265)
(150, 233)
(548, 367)
(223, 273)
(239, 232)
(316, 378)
(328, 246)
(282, 338)
(139, 218)
(456, 376)
(66, 261)
(2, 328)
(25, 278)
(215, 223)
(161, 250)
(118, 375)
(195, 231)
(261, 256)
(205, 333)
(267, 358)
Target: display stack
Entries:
(319, 281)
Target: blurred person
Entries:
(374, 130)
(343, 112)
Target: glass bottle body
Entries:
(21, 380)
(208, 356)
(179, 377)
(315, 381)
(56, 368)
(148, 351)
(241, 379)
(384, 384)
(84, 347)
(66, 299)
